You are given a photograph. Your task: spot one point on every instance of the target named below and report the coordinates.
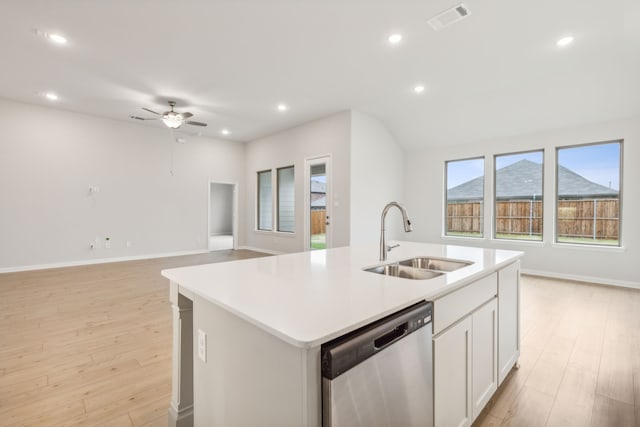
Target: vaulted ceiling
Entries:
(496, 73)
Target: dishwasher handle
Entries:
(390, 337)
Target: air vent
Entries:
(448, 17)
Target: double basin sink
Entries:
(419, 268)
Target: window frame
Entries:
(620, 142)
(495, 197)
(482, 233)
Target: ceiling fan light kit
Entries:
(171, 119)
(174, 121)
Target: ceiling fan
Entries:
(171, 118)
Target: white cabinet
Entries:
(484, 333)
(465, 367)
(509, 319)
(465, 347)
(452, 375)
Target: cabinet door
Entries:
(452, 375)
(508, 319)
(485, 355)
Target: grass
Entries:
(463, 234)
(534, 237)
(574, 240)
(318, 241)
(590, 241)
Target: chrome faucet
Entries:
(383, 239)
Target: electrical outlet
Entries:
(107, 243)
(202, 345)
(129, 244)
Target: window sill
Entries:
(492, 241)
(535, 243)
(597, 248)
(469, 238)
(275, 233)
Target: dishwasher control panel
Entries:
(342, 353)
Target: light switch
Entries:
(202, 345)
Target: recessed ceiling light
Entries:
(51, 96)
(57, 38)
(418, 89)
(282, 107)
(52, 37)
(395, 38)
(565, 41)
(225, 131)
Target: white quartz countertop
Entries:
(309, 298)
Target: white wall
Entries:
(424, 191)
(376, 179)
(329, 135)
(221, 209)
(48, 160)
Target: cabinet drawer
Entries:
(450, 308)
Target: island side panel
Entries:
(312, 387)
(508, 319)
(249, 378)
(181, 405)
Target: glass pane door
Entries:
(318, 206)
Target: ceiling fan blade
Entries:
(189, 122)
(142, 118)
(151, 111)
(186, 115)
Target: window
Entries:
(284, 202)
(518, 196)
(465, 197)
(588, 183)
(265, 201)
(286, 199)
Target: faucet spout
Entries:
(383, 239)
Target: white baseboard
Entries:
(589, 279)
(266, 251)
(98, 261)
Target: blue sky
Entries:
(463, 171)
(598, 163)
(506, 160)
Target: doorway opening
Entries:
(222, 216)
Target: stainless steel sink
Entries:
(436, 264)
(404, 271)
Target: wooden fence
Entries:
(519, 217)
(595, 219)
(318, 222)
(586, 218)
(464, 217)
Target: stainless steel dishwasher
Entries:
(381, 374)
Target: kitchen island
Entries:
(247, 334)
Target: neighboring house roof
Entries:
(523, 179)
(318, 194)
(318, 202)
(577, 186)
(318, 186)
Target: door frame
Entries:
(308, 162)
(234, 213)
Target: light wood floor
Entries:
(92, 346)
(89, 345)
(580, 359)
